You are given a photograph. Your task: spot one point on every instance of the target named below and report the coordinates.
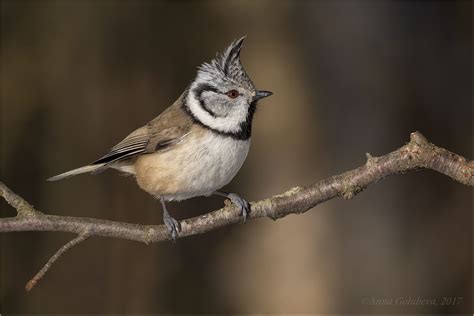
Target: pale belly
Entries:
(201, 164)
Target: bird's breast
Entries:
(202, 163)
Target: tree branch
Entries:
(417, 154)
(80, 238)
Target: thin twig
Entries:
(41, 273)
(417, 154)
(22, 207)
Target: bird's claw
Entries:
(241, 203)
(174, 227)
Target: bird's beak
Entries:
(261, 94)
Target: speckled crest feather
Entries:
(227, 66)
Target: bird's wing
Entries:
(166, 130)
(133, 144)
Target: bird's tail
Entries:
(89, 168)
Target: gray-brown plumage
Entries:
(160, 133)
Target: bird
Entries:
(197, 145)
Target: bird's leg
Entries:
(173, 225)
(237, 200)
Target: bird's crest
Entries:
(227, 66)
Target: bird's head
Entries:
(222, 97)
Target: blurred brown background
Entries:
(348, 77)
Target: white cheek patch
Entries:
(228, 124)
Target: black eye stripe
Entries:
(202, 87)
(208, 110)
(199, 90)
(245, 127)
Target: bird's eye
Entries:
(233, 94)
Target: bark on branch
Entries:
(417, 154)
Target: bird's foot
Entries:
(174, 227)
(241, 203)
